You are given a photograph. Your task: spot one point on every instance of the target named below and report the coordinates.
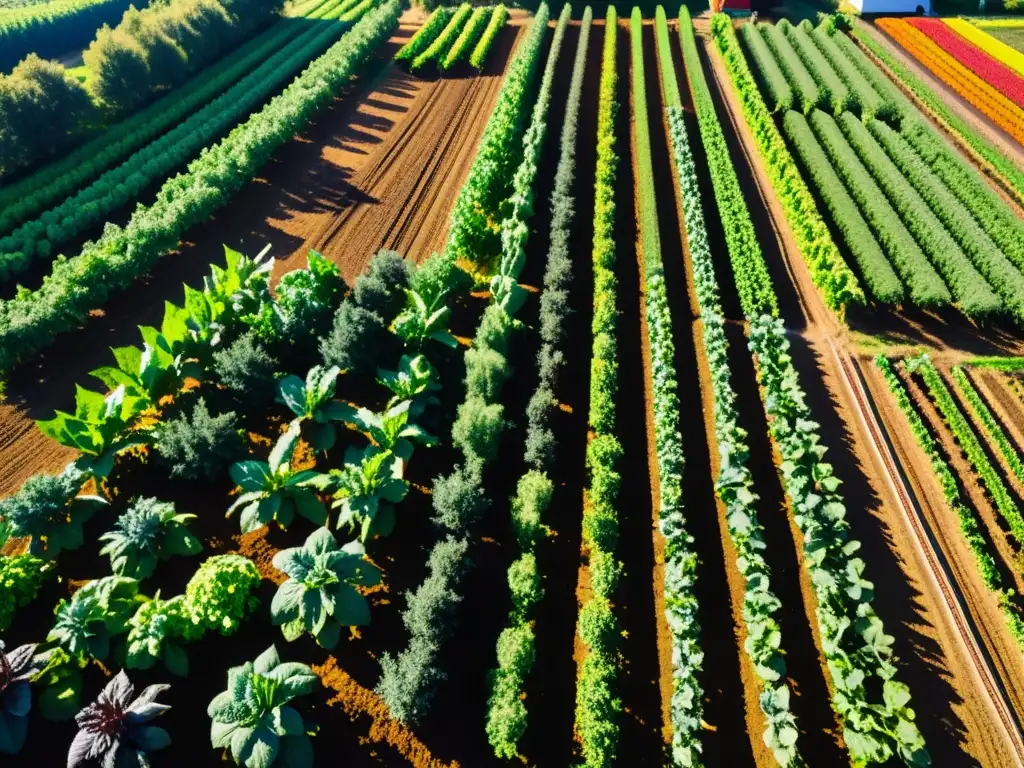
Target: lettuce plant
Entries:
(149, 530)
(155, 631)
(17, 668)
(21, 577)
(252, 718)
(95, 614)
(417, 323)
(414, 380)
(99, 428)
(274, 491)
(312, 402)
(48, 509)
(366, 490)
(320, 594)
(219, 595)
(114, 729)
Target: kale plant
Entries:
(149, 530)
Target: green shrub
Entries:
(246, 368)
(199, 445)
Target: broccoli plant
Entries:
(414, 380)
(48, 509)
(114, 730)
(366, 490)
(17, 668)
(95, 614)
(311, 402)
(99, 429)
(252, 718)
(319, 596)
(149, 530)
(274, 491)
(155, 632)
(391, 431)
(417, 323)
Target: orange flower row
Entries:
(979, 93)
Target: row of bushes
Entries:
(31, 320)
(443, 42)
(805, 89)
(775, 83)
(680, 554)
(53, 28)
(598, 708)
(828, 269)
(964, 433)
(498, 18)
(506, 712)
(734, 483)
(753, 282)
(120, 186)
(833, 90)
(875, 269)
(868, 101)
(408, 681)
(426, 34)
(970, 526)
(894, 103)
(466, 42)
(52, 183)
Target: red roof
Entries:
(737, 5)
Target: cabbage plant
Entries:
(417, 323)
(17, 669)
(49, 510)
(252, 718)
(320, 594)
(149, 530)
(114, 730)
(366, 490)
(312, 402)
(274, 491)
(414, 380)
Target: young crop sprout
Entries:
(17, 669)
(312, 402)
(274, 491)
(320, 594)
(114, 730)
(251, 718)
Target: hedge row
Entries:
(832, 89)
(54, 28)
(444, 41)
(806, 90)
(867, 99)
(598, 709)
(970, 526)
(988, 422)
(753, 282)
(498, 18)
(828, 270)
(466, 42)
(426, 34)
(894, 102)
(734, 483)
(777, 86)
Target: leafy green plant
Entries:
(320, 594)
(198, 445)
(312, 402)
(97, 613)
(21, 578)
(466, 41)
(274, 491)
(417, 324)
(304, 303)
(17, 669)
(426, 34)
(156, 630)
(246, 368)
(252, 718)
(391, 431)
(114, 729)
(494, 25)
(220, 595)
(366, 490)
(148, 531)
(414, 380)
(49, 509)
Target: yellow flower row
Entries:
(979, 93)
(998, 23)
(997, 49)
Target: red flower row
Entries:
(1000, 77)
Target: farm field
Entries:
(478, 386)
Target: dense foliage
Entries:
(426, 34)
(147, 531)
(833, 91)
(49, 509)
(53, 28)
(806, 91)
(21, 578)
(443, 42)
(775, 83)
(863, 95)
(828, 269)
(29, 321)
(494, 25)
(466, 42)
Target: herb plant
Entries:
(219, 595)
(21, 577)
(414, 380)
(95, 614)
(155, 632)
(417, 323)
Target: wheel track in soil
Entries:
(953, 599)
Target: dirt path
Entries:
(388, 121)
(949, 705)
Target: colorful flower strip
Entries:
(997, 49)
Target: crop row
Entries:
(1000, 273)
(875, 269)
(878, 724)
(466, 42)
(983, 41)
(498, 18)
(122, 185)
(598, 708)
(983, 148)
(752, 279)
(863, 94)
(970, 526)
(54, 28)
(409, 679)
(834, 92)
(996, 74)
(680, 554)
(426, 34)
(804, 87)
(961, 428)
(75, 286)
(975, 90)
(893, 100)
(506, 713)
(735, 483)
(988, 422)
(829, 271)
(777, 86)
(53, 183)
(443, 42)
